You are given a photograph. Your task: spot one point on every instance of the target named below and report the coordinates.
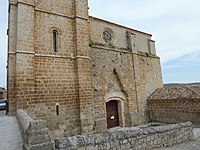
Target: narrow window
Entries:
(55, 41)
(57, 110)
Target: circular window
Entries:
(107, 36)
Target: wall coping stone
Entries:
(35, 134)
(131, 135)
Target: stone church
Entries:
(79, 73)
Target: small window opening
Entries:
(55, 44)
(57, 110)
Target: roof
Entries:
(177, 92)
(195, 88)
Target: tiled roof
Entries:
(177, 92)
(195, 88)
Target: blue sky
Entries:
(174, 24)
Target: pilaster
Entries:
(11, 69)
(83, 65)
(24, 54)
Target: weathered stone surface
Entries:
(65, 66)
(174, 104)
(34, 133)
(130, 138)
(42, 146)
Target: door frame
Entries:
(120, 105)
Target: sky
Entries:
(174, 24)
(3, 41)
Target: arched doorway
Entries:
(112, 114)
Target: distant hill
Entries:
(177, 84)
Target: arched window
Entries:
(55, 36)
(55, 40)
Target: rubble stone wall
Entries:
(34, 133)
(130, 138)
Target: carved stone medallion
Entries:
(107, 36)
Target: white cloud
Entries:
(175, 26)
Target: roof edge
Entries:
(129, 28)
(197, 95)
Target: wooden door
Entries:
(112, 114)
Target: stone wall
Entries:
(130, 138)
(175, 111)
(34, 133)
(119, 36)
(127, 74)
(148, 78)
(113, 79)
(51, 85)
(68, 87)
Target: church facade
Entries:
(79, 73)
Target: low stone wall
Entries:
(34, 133)
(129, 138)
(175, 111)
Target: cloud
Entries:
(186, 69)
(173, 52)
(186, 61)
(174, 25)
(137, 10)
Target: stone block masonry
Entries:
(175, 111)
(175, 104)
(65, 68)
(34, 133)
(134, 138)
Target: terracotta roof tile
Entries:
(195, 88)
(177, 92)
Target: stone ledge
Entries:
(35, 134)
(130, 138)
